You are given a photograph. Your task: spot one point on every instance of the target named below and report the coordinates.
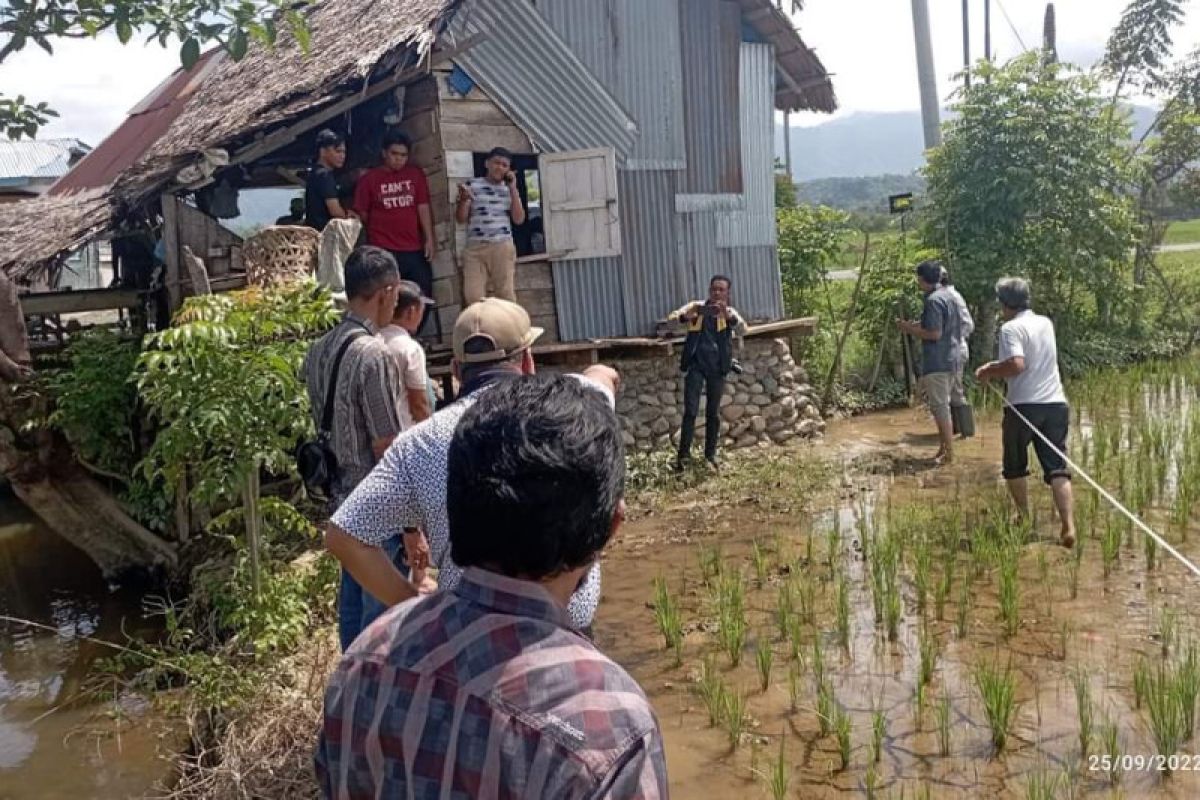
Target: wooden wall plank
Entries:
(482, 138)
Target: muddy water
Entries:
(1111, 622)
(56, 740)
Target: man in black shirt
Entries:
(707, 359)
(321, 202)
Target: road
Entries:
(851, 274)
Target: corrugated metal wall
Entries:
(654, 279)
(532, 74)
(588, 296)
(697, 248)
(755, 274)
(710, 43)
(755, 225)
(632, 47)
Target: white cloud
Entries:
(92, 83)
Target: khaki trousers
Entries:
(489, 263)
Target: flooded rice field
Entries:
(888, 630)
(57, 738)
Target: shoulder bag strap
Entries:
(331, 390)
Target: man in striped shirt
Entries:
(487, 690)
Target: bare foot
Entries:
(943, 459)
(1067, 538)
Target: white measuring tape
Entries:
(1103, 492)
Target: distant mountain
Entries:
(872, 143)
(858, 194)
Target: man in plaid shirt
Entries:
(487, 691)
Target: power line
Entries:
(1012, 27)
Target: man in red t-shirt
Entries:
(393, 203)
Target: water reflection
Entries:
(53, 742)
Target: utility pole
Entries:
(967, 42)
(987, 29)
(926, 75)
(787, 121)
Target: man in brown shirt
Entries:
(14, 342)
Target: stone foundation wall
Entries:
(770, 402)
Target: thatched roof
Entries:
(40, 229)
(350, 40)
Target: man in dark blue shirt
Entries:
(938, 331)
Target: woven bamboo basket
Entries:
(281, 254)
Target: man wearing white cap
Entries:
(406, 492)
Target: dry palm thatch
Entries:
(39, 230)
(351, 41)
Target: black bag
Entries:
(315, 459)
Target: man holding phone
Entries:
(489, 207)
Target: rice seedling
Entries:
(1083, 704)
(841, 728)
(1187, 689)
(794, 675)
(731, 616)
(1166, 713)
(785, 610)
(1141, 681)
(843, 611)
(711, 564)
(942, 590)
(818, 660)
(1042, 784)
(779, 778)
(1151, 552)
(929, 657)
(764, 657)
(871, 781)
(1010, 591)
(825, 707)
(1168, 626)
(878, 730)
(735, 716)
(761, 562)
(922, 563)
(1064, 638)
(1111, 744)
(998, 690)
(964, 609)
(833, 541)
(1073, 569)
(808, 550)
(942, 713)
(1110, 546)
(893, 607)
(807, 595)
(712, 691)
(666, 614)
(1043, 566)
(796, 639)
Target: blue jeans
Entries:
(358, 608)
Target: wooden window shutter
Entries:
(579, 204)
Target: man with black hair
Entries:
(1028, 361)
(938, 331)
(408, 354)
(487, 691)
(961, 415)
(366, 415)
(707, 358)
(392, 201)
(489, 207)
(321, 202)
(406, 492)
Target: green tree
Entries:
(811, 238)
(785, 188)
(193, 24)
(223, 385)
(1030, 180)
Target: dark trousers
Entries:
(698, 381)
(416, 268)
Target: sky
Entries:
(866, 44)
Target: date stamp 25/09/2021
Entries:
(1127, 762)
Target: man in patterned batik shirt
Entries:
(487, 691)
(406, 492)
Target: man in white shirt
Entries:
(1028, 361)
(409, 355)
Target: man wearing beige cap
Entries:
(406, 492)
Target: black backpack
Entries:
(315, 459)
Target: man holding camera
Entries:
(707, 359)
(489, 207)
